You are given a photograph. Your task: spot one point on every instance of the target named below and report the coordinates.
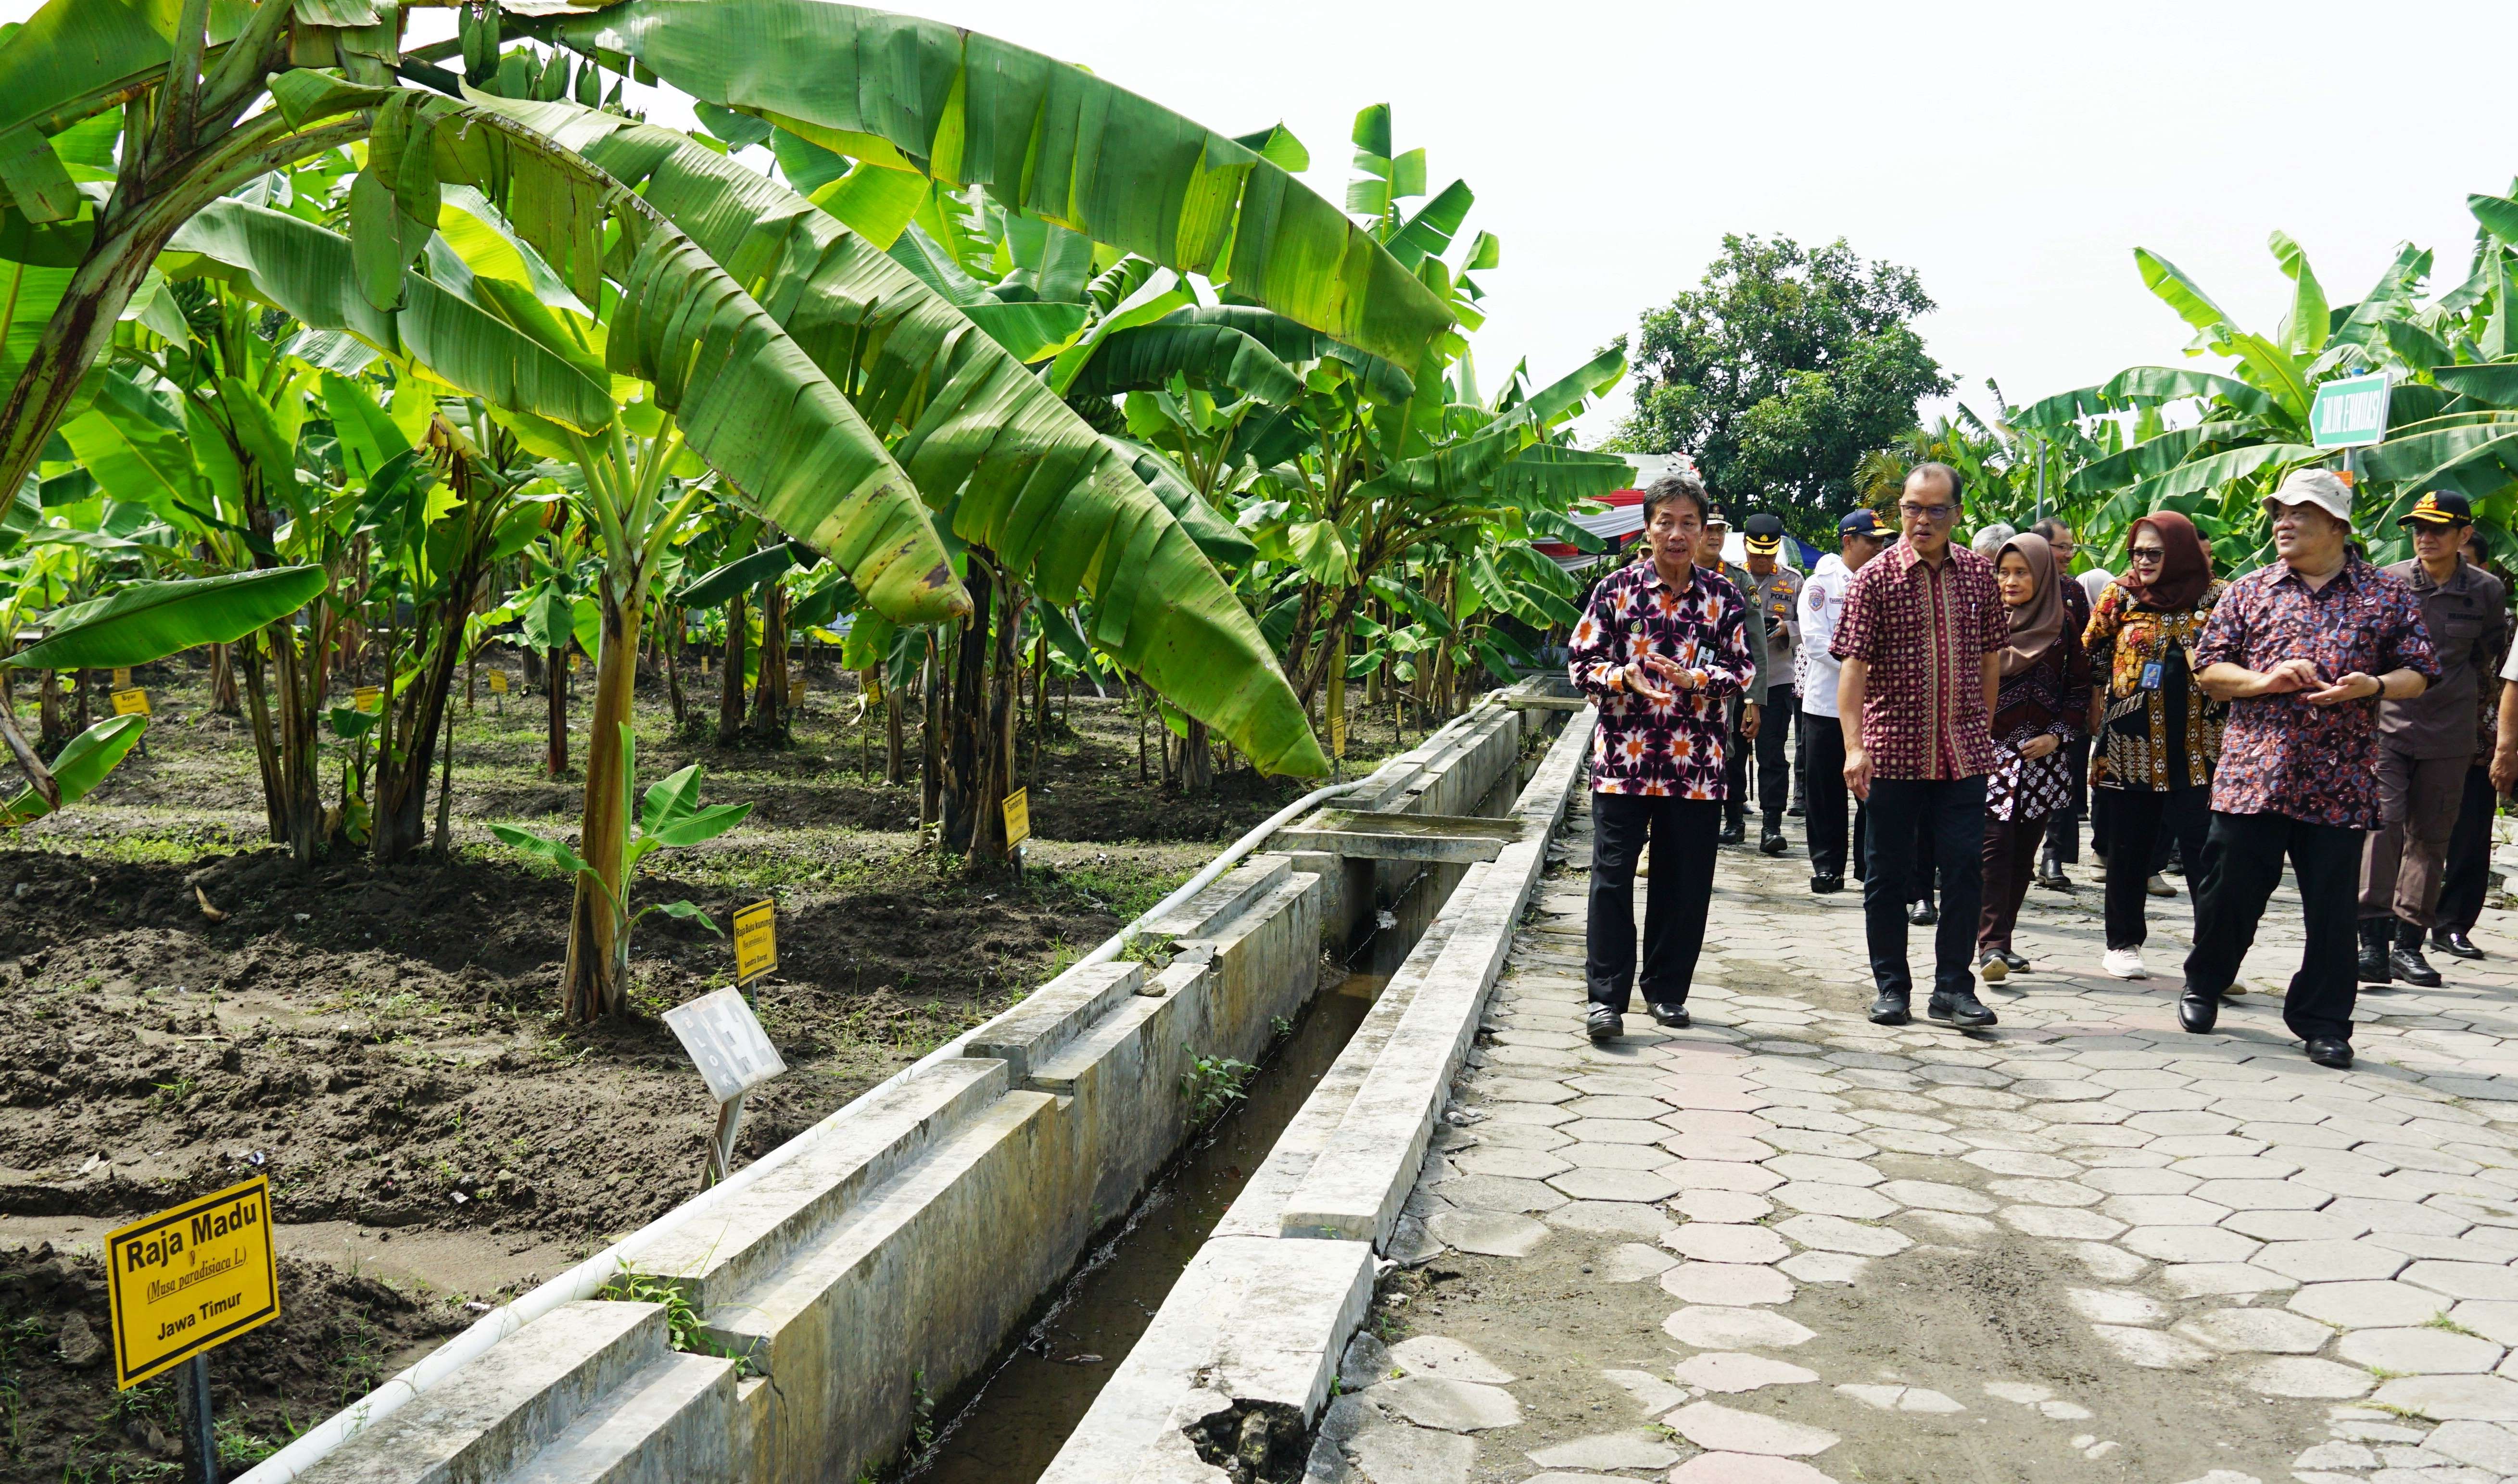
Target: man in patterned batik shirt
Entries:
(2303, 650)
(1663, 649)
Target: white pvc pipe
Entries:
(589, 1277)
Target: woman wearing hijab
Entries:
(2157, 736)
(2044, 694)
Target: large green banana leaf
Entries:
(1041, 135)
(980, 432)
(150, 620)
(306, 271)
(83, 763)
(1291, 342)
(750, 401)
(1211, 356)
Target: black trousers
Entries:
(1678, 891)
(2469, 855)
(2141, 821)
(1951, 813)
(1736, 752)
(1775, 753)
(1824, 800)
(2243, 863)
(2064, 826)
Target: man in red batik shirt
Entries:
(1921, 638)
(1661, 649)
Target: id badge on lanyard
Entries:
(2151, 675)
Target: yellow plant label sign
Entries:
(1017, 808)
(498, 682)
(369, 698)
(755, 940)
(132, 701)
(1337, 734)
(185, 1280)
(121, 677)
(576, 661)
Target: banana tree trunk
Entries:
(301, 676)
(930, 737)
(895, 761)
(989, 850)
(769, 692)
(223, 681)
(403, 768)
(52, 733)
(265, 739)
(597, 981)
(670, 639)
(729, 705)
(555, 733)
(965, 719)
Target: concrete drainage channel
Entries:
(893, 1252)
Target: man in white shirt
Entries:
(1861, 537)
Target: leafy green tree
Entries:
(1781, 372)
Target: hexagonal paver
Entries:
(1612, 1084)
(2465, 1280)
(2424, 1351)
(2117, 1306)
(2139, 1180)
(1850, 1201)
(1598, 1107)
(1933, 1195)
(1713, 1120)
(1614, 1156)
(1617, 1130)
(1716, 1327)
(2367, 1305)
(1621, 1218)
(2020, 1161)
(2188, 1244)
(1732, 1206)
(1494, 1234)
(1732, 1283)
(1716, 1242)
(2046, 1192)
(1517, 1163)
(1721, 1175)
(2194, 1280)
(2262, 1195)
(2453, 1398)
(2267, 1331)
(1731, 1372)
(1718, 1428)
(2295, 1225)
(1719, 1146)
(2163, 1210)
(1496, 1193)
(1823, 1170)
(1825, 1267)
(2153, 1349)
(2332, 1261)
(1615, 1185)
(1835, 1234)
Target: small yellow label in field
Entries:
(369, 698)
(1337, 734)
(576, 661)
(133, 701)
(121, 677)
(755, 940)
(185, 1280)
(1018, 807)
(498, 682)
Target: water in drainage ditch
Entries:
(1010, 1431)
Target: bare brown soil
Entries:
(189, 1008)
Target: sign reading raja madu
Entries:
(185, 1280)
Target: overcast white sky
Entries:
(2013, 154)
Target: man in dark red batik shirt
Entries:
(2303, 650)
(1921, 638)
(1663, 648)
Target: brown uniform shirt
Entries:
(2467, 617)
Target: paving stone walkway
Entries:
(1787, 1246)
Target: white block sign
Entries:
(725, 1040)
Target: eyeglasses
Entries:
(2147, 556)
(1938, 515)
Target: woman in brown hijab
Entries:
(2045, 692)
(2155, 734)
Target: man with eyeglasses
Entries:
(2303, 650)
(1747, 713)
(1921, 639)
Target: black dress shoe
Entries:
(1772, 843)
(2409, 965)
(1889, 1009)
(1795, 810)
(2012, 961)
(2374, 933)
(1673, 1016)
(1604, 1024)
(2197, 1011)
(2329, 1051)
(2452, 939)
(1733, 833)
(1822, 885)
(1922, 914)
(1961, 1010)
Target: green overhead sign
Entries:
(2350, 413)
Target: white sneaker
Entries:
(2124, 963)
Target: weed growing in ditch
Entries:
(1152, 950)
(1281, 1026)
(683, 1329)
(1213, 1083)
